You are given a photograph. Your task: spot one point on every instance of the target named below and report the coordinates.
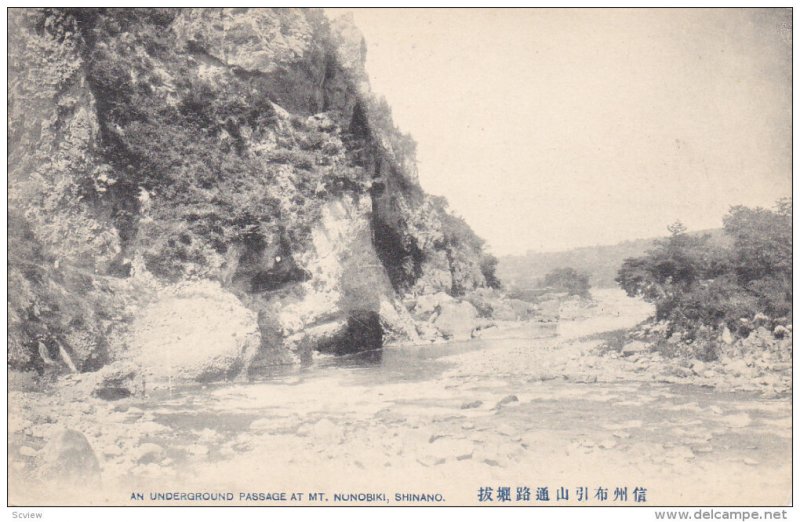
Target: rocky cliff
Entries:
(209, 191)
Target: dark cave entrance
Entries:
(364, 332)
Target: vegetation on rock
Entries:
(149, 147)
(702, 291)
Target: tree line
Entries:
(696, 284)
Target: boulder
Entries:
(739, 420)
(521, 310)
(698, 368)
(317, 337)
(456, 320)
(726, 336)
(327, 432)
(397, 325)
(119, 380)
(428, 333)
(635, 347)
(425, 306)
(739, 368)
(493, 304)
(549, 308)
(506, 401)
(69, 458)
(149, 453)
(195, 331)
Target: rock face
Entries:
(207, 191)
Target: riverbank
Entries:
(530, 407)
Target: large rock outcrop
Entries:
(235, 150)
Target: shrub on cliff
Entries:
(198, 144)
(489, 271)
(463, 246)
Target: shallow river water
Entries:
(529, 406)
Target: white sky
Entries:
(551, 129)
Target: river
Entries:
(526, 406)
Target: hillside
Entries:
(600, 262)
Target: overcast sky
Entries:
(551, 129)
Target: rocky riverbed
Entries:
(526, 405)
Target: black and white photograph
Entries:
(394, 257)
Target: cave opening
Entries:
(364, 332)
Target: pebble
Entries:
(479, 439)
(736, 421)
(149, 453)
(680, 453)
(505, 429)
(771, 393)
(506, 401)
(698, 367)
(430, 460)
(197, 450)
(260, 425)
(207, 435)
(327, 431)
(148, 470)
(608, 444)
(681, 372)
(28, 451)
(150, 428)
(132, 415)
(44, 431)
(227, 451)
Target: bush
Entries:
(567, 280)
(489, 271)
(469, 261)
(695, 285)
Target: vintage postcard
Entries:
(399, 257)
